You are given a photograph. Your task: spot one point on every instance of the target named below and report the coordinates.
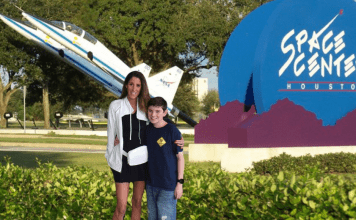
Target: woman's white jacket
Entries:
(117, 110)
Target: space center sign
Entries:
(300, 50)
(326, 55)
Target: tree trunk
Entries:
(2, 105)
(45, 104)
(135, 55)
(5, 94)
(3, 120)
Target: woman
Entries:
(127, 122)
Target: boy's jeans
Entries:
(161, 204)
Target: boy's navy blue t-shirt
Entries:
(162, 156)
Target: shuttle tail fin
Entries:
(165, 84)
(143, 68)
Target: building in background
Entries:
(200, 87)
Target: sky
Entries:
(212, 78)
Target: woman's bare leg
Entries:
(122, 192)
(139, 187)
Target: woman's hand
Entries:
(117, 141)
(180, 143)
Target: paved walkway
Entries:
(71, 132)
(45, 147)
(51, 147)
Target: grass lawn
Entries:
(27, 159)
(51, 141)
(97, 161)
(69, 139)
(93, 160)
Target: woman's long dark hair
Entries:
(144, 95)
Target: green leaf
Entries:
(351, 213)
(293, 212)
(273, 187)
(295, 200)
(69, 190)
(292, 182)
(312, 204)
(351, 194)
(280, 176)
(105, 210)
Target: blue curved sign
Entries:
(301, 50)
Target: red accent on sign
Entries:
(341, 11)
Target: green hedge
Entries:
(329, 163)
(48, 192)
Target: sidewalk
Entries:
(5, 146)
(70, 132)
(58, 147)
(51, 147)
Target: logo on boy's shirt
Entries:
(161, 142)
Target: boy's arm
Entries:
(180, 164)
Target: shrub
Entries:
(48, 192)
(329, 163)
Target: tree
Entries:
(162, 33)
(49, 80)
(11, 65)
(16, 104)
(188, 103)
(7, 89)
(136, 31)
(210, 102)
(206, 27)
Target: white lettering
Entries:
(302, 86)
(337, 64)
(353, 86)
(330, 86)
(285, 50)
(342, 86)
(325, 65)
(301, 38)
(299, 71)
(320, 40)
(339, 42)
(289, 86)
(330, 46)
(313, 42)
(349, 66)
(316, 86)
(313, 65)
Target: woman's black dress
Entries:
(138, 172)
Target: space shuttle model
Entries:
(84, 52)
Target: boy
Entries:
(165, 163)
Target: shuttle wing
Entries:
(68, 56)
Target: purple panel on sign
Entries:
(290, 125)
(214, 130)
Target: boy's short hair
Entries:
(158, 102)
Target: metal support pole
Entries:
(24, 108)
